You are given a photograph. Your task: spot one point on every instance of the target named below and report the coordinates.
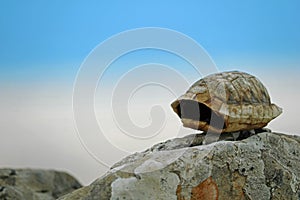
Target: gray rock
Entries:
(29, 184)
(263, 166)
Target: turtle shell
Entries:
(226, 102)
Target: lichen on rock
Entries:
(35, 184)
(263, 166)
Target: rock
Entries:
(263, 166)
(29, 184)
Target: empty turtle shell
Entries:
(226, 102)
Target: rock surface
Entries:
(263, 166)
(29, 184)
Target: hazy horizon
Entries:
(39, 130)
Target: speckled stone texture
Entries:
(263, 166)
(30, 184)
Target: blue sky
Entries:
(39, 35)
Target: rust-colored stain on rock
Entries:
(178, 193)
(208, 189)
(238, 184)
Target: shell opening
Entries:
(196, 111)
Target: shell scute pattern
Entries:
(237, 98)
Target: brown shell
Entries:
(233, 101)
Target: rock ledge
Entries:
(34, 184)
(263, 166)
